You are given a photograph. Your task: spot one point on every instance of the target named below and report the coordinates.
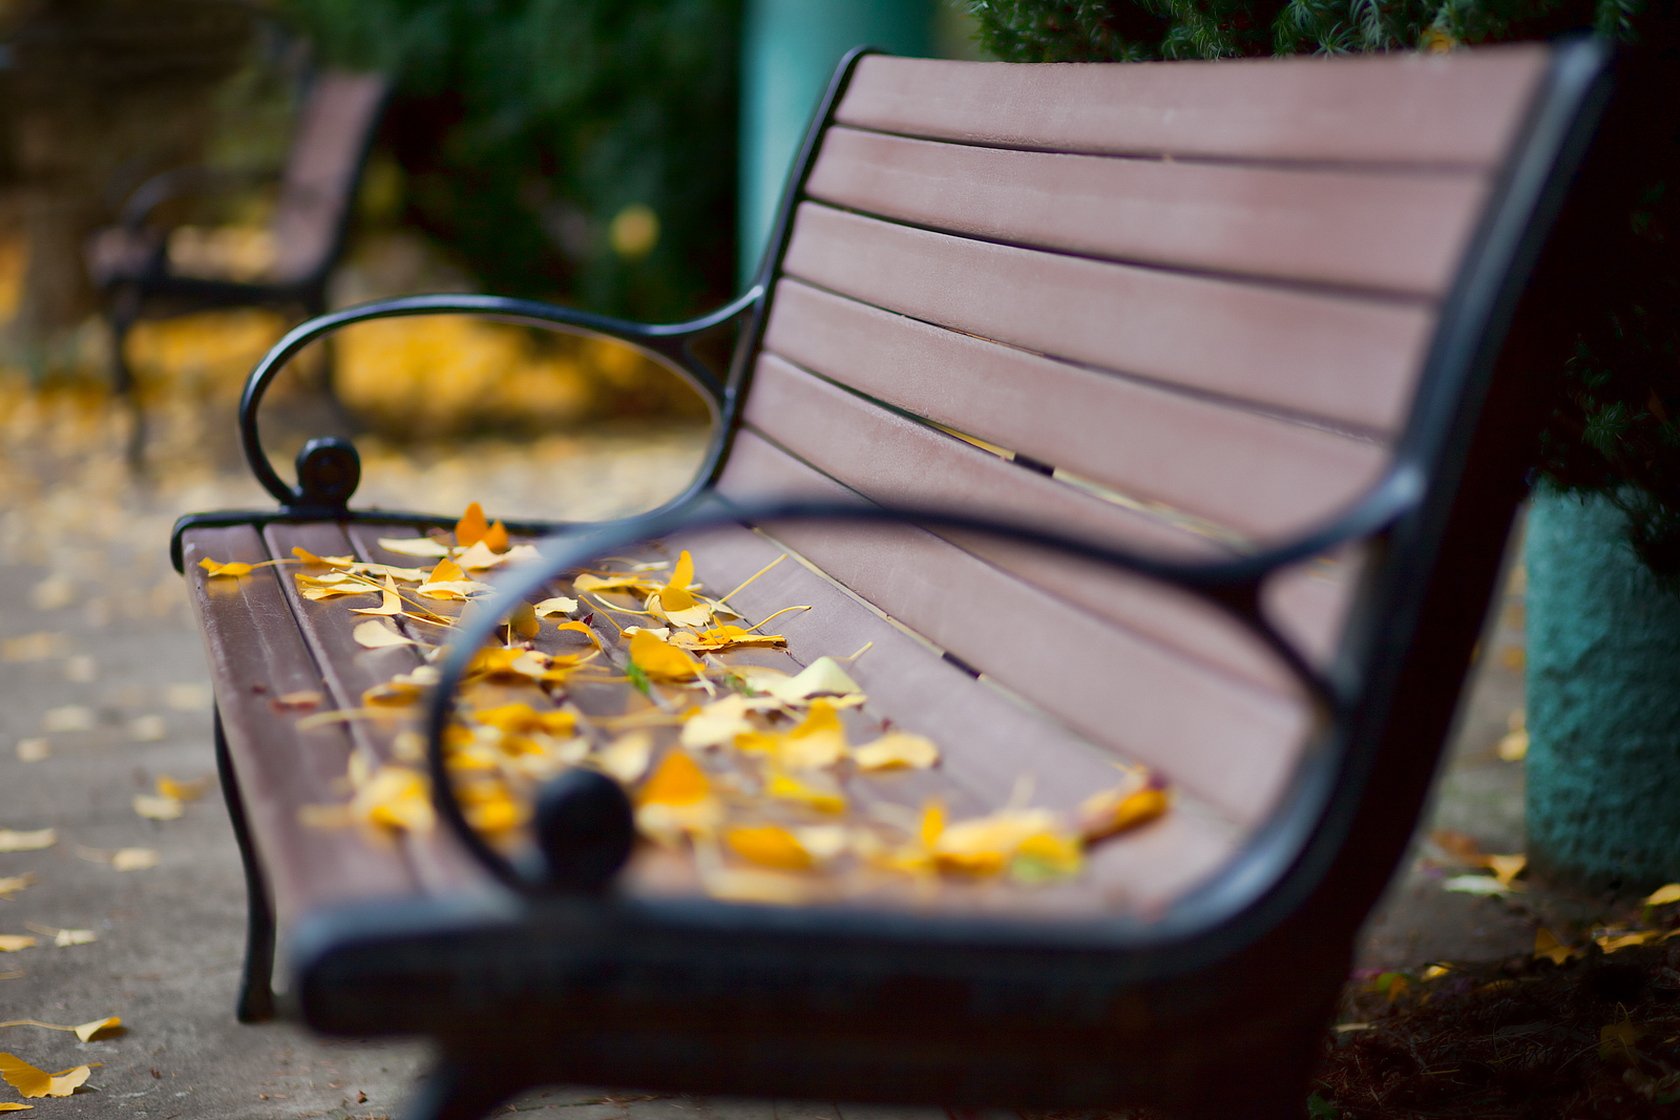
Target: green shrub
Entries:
(526, 127)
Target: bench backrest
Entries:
(329, 148)
(1187, 308)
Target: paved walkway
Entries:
(101, 695)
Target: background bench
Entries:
(1196, 372)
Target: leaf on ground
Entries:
(34, 750)
(66, 938)
(1485, 885)
(17, 942)
(480, 557)
(70, 718)
(53, 594)
(677, 780)
(178, 790)
(374, 634)
(14, 1106)
(1547, 947)
(155, 808)
(14, 883)
(40, 646)
(134, 859)
(100, 1028)
(148, 729)
(1616, 1041)
(1663, 896)
(32, 1083)
(29, 841)
(986, 845)
(188, 697)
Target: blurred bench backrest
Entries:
(329, 147)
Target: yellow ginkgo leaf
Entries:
(472, 526)
(424, 547)
(1506, 868)
(496, 537)
(12, 884)
(626, 758)
(177, 790)
(233, 569)
(16, 942)
(985, 845)
(522, 622)
(65, 938)
(31, 1082)
(816, 743)
(390, 602)
(823, 677)
(559, 604)
(1116, 810)
(816, 792)
(522, 719)
(1662, 896)
(1045, 856)
(134, 859)
(660, 660)
(100, 1028)
(1548, 947)
(479, 557)
(898, 750)
(395, 797)
(446, 571)
(375, 634)
(718, 723)
(29, 841)
(14, 1106)
(677, 780)
(309, 557)
(726, 636)
(769, 846)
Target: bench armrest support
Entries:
(328, 469)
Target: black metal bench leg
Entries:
(457, 1090)
(256, 983)
(125, 310)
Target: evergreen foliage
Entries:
(525, 127)
(1615, 420)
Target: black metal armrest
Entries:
(182, 182)
(582, 854)
(329, 469)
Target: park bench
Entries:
(1161, 414)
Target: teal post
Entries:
(1603, 702)
(789, 50)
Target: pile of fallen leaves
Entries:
(634, 670)
(1587, 1025)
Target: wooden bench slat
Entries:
(892, 460)
(440, 866)
(1401, 109)
(1260, 476)
(1397, 233)
(258, 656)
(1346, 361)
(1220, 736)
